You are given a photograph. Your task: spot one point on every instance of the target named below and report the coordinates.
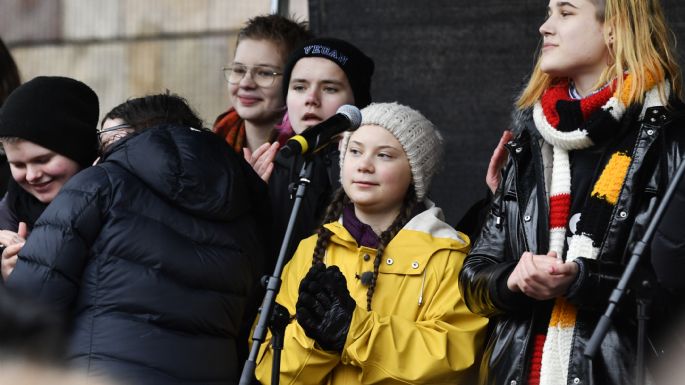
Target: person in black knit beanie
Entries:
(48, 130)
(320, 76)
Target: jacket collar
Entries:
(426, 229)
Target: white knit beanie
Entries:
(420, 140)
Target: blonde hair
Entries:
(642, 46)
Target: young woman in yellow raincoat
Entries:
(375, 291)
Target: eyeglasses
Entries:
(114, 137)
(261, 75)
(114, 128)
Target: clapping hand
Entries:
(11, 243)
(325, 307)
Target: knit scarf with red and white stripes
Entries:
(568, 124)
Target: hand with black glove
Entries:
(280, 318)
(324, 307)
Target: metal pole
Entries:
(280, 7)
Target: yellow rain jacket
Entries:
(419, 330)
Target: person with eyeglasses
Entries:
(48, 129)
(153, 252)
(255, 81)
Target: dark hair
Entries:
(334, 211)
(9, 73)
(286, 33)
(153, 110)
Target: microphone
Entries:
(365, 277)
(313, 139)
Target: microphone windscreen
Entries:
(352, 113)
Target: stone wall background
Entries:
(128, 48)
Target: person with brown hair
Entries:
(255, 83)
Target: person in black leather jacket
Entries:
(153, 252)
(598, 138)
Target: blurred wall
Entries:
(125, 48)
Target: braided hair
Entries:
(335, 210)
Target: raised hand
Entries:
(11, 243)
(262, 160)
(497, 162)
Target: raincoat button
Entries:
(526, 218)
(367, 257)
(513, 382)
(623, 214)
(576, 380)
(650, 132)
(415, 265)
(519, 149)
(652, 119)
(389, 261)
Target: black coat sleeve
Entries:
(483, 278)
(668, 244)
(52, 261)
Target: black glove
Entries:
(324, 307)
(280, 318)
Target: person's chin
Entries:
(298, 127)
(246, 111)
(552, 68)
(44, 196)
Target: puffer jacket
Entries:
(419, 330)
(153, 253)
(518, 222)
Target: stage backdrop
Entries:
(459, 62)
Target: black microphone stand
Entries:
(643, 300)
(273, 285)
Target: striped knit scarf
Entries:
(231, 127)
(568, 124)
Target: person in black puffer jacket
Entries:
(154, 251)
